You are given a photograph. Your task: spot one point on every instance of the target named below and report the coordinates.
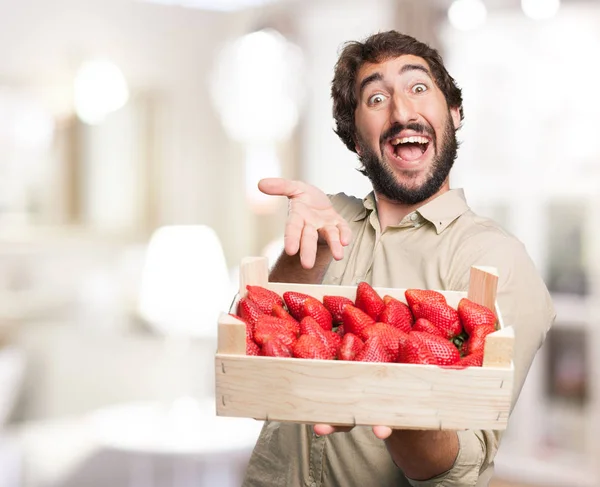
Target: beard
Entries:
(383, 179)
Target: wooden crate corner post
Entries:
(253, 271)
(231, 335)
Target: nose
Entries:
(403, 110)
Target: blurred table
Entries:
(133, 445)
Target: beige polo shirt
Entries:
(432, 248)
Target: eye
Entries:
(419, 88)
(376, 99)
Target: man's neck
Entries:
(391, 212)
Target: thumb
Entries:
(280, 187)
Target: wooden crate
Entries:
(340, 392)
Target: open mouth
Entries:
(409, 148)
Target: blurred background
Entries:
(132, 135)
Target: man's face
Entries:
(405, 131)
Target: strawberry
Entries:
(335, 305)
(249, 311)
(340, 331)
(315, 309)
(279, 311)
(414, 298)
(426, 326)
(291, 325)
(444, 351)
(309, 326)
(476, 342)
(295, 302)
(472, 360)
(416, 351)
(397, 314)
(441, 315)
(252, 348)
(473, 315)
(349, 347)
(389, 336)
(368, 300)
(269, 327)
(263, 297)
(308, 346)
(373, 351)
(275, 348)
(355, 320)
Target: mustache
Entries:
(397, 128)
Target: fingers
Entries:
(327, 429)
(293, 232)
(308, 246)
(345, 233)
(382, 432)
(280, 187)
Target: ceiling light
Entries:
(540, 9)
(467, 14)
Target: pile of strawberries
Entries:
(427, 330)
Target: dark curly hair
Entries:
(375, 49)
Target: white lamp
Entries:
(185, 281)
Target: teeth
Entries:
(412, 139)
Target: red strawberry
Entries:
(295, 302)
(373, 351)
(368, 300)
(315, 309)
(476, 342)
(441, 315)
(249, 311)
(291, 325)
(389, 336)
(279, 311)
(275, 348)
(444, 351)
(355, 320)
(267, 329)
(335, 305)
(416, 351)
(397, 314)
(472, 360)
(263, 297)
(426, 326)
(414, 298)
(252, 348)
(308, 346)
(309, 326)
(473, 315)
(349, 347)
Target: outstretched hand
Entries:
(381, 432)
(311, 220)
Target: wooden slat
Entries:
(483, 285)
(346, 393)
(253, 271)
(231, 335)
(499, 347)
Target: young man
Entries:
(396, 106)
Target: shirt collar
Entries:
(441, 211)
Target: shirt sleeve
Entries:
(524, 304)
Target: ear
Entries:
(357, 147)
(455, 113)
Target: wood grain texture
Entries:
(483, 286)
(253, 271)
(231, 335)
(347, 393)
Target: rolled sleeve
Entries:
(466, 470)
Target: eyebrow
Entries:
(377, 76)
